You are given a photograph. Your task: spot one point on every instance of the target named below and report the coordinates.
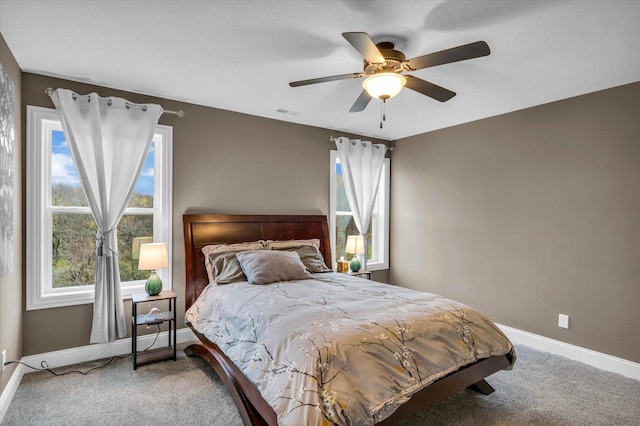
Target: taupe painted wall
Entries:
(11, 285)
(528, 215)
(223, 162)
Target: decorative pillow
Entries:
(268, 266)
(218, 248)
(226, 268)
(277, 244)
(310, 257)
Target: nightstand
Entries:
(159, 354)
(361, 274)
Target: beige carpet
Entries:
(543, 389)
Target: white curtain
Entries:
(361, 164)
(109, 140)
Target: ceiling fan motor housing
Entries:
(393, 59)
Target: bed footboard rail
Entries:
(466, 377)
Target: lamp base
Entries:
(355, 265)
(154, 284)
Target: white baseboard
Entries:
(587, 356)
(71, 356)
(11, 389)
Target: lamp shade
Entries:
(384, 85)
(153, 256)
(355, 244)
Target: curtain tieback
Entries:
(101, 243)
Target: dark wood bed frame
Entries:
(203, 229)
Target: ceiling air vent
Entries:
(287, 111)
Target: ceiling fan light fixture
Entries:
(384, 85)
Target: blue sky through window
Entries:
(63, 171)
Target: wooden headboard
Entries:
(203, 229)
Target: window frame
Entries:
(380, 230)
(40, 292)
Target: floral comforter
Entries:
(339, 350)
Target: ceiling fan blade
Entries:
(361, 103)
(367, 48)
(455, 54)
(429, 89)
(325, 79)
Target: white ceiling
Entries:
(241, 55)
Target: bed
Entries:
(256, 369)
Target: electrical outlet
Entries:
(4, 359)
(563, 321)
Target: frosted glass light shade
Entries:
(153, 256)
(355, 244)
(384, 85)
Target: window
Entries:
(341, 219)
(61, 231)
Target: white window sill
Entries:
(376, 266)
(71, 297)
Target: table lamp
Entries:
(153, 256)
(355, 245)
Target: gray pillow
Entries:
(225, 268)
(223, 248)
(268, 266)
(310, 257)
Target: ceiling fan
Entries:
(384, 67)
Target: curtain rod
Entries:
(332, 139)
(180, 113)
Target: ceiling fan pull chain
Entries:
(383, 116)
(384, 113)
